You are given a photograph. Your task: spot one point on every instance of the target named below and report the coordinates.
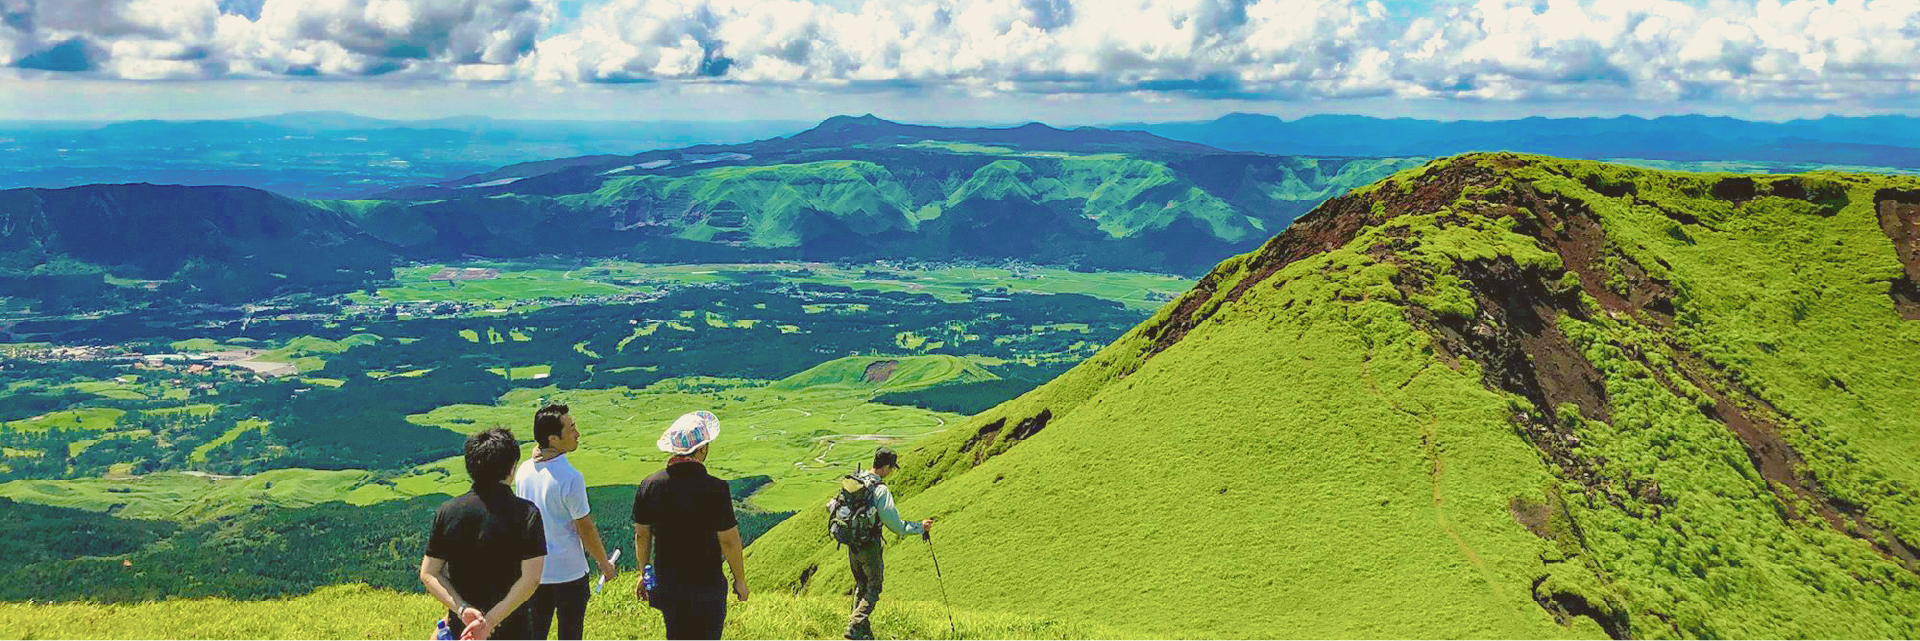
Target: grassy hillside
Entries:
(886, 374)
(1496, 395)
(360, 612)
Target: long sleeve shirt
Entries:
(890, 515)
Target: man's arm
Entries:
(642, 554)
(730, 547)
(590, 539)
(433, 575)
(890, 515)
(581, 513)
(522, 589)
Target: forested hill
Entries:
(1493, 396)
(77, 246)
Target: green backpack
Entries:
(852, 518)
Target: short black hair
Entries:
(491, 455)
(546, 423)
(884, 457)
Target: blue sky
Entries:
(1060, 61)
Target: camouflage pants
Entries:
(869, 568)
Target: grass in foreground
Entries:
(359, 612)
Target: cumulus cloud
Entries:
(1489, 49)
(1279, 49)
(142, 39)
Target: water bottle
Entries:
(646, 578)
(440, 631)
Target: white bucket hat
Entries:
(690, 432)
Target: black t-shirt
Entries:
(687, 509)
(483, 536)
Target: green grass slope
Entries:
(355, 611)
(1495, 396)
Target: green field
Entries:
(249, 425)
(179, 495)
(803, 432)
(525, 283)
(517, 283)
(100, 419)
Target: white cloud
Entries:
(1659, 50)
(139, 39)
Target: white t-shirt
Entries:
(561, 494)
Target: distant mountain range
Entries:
(325, 154)
(863, 187)
(852, 188)
(849, 188)
(1882, 141)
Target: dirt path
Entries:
(1437, 472)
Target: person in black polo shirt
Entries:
(487, 547)
(689, 514)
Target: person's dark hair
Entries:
(491, 455)
(884, 457)
(546, 423)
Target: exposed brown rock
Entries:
(1899, 212)
(880, 371)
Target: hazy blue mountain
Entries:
(325, 154)
(68, 246)
(1887, 141)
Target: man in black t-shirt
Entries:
(684, 516)
(487, 547)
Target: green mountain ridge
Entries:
(852, 189)
(1493, 396)
(864, 188)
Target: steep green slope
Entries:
(1493, 396)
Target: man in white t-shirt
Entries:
(551, 484)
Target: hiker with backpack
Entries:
(683, 520)
(855, 517)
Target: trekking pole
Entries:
(928, 537)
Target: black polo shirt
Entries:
(687, 509)
(483, 536)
